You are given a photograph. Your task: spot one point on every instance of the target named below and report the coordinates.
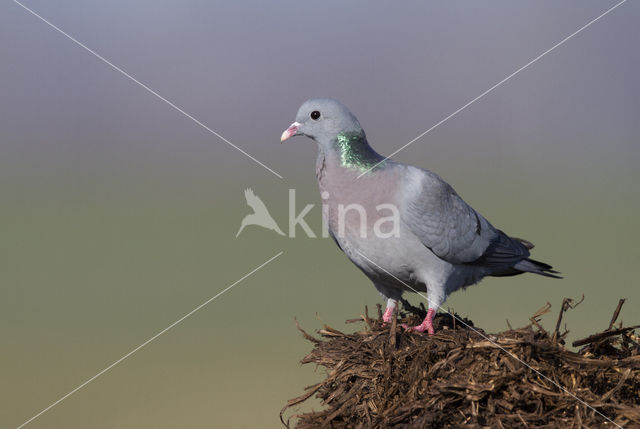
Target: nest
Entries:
(383, 376)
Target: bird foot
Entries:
(420, 328)
(387, 317)
(426, 325)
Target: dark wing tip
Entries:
(529, 245)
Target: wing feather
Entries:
(451, 228)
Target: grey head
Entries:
(323, 119)
(335, 129)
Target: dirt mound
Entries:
(523, 378)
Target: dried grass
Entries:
(383, 376)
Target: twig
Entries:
(542, 310)
(601, 335)
(624, 377)
(304, 333)
(616, 313)
(392, 331)
(509, 325)
(567, 303)
(367, 319)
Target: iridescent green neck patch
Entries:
(355, 152)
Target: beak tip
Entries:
(289, 132)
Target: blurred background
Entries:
(119, 214)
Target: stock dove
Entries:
(403, 226)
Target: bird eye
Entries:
(315, 115)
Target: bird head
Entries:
(322, 119)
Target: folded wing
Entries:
(451, 228)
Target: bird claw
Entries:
(420, 328)
(426, 325)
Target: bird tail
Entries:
(537, 267)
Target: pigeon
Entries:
(403, 226)
(260, 215)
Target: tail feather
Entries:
(537, 267)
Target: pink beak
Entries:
(290, 132)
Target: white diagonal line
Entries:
(559, 386)
(497, 84)
(109, 63)
(148, 341)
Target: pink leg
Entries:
(426, 325)
(388, 315)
